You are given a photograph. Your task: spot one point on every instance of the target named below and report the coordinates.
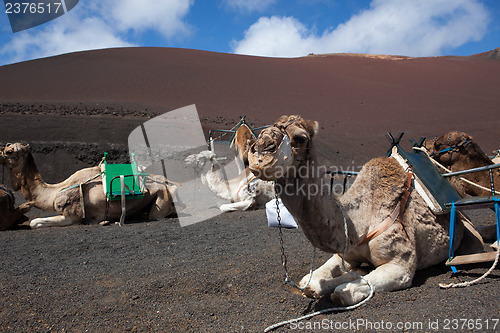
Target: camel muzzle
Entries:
(271, 165)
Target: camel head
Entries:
(15, 156)
(282, 146)
(455, 147)
(201, 160)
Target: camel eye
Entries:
(300, 138)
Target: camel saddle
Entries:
(436, 191)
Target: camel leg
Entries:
(387, 277)
(53, 221)
(162, 206)
(241, 205)
(25, 207)
(327, 277)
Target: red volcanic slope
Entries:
(353, 96)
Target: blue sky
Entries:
(278, 28)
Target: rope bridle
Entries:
(451, 148)
(283, 130)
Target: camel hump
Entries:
(385, 171)
(381, 180)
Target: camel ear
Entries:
(313, 128)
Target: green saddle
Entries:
(133, 181)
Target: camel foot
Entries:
(313, 289)
(350, 293)
(104, 223)
(53, 221)
(35, 224)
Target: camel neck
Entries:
(31, 184)
(219, 183)
(475, 160)
(307, 195)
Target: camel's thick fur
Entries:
(24, 176)
(465, 154)
(9, 214)
(244, 191)
(417, 240)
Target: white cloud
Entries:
(96, 25)
(164, 16)
(62, 37)
(415, 28)
(249, 5)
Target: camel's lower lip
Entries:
(260, 162)
(264, 174)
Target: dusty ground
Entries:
(224, 274)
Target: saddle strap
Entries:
(397, 211)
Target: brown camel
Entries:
(417, 239)
(458, 151)
(65, 198)
(9, 214)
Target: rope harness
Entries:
(451, 149)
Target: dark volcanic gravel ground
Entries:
(221, 275)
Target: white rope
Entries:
(470, 283)
(343, 308)
(447, 170)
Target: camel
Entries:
(457, 151)
(65, 197)
(344, 225)
(9, 214)
(245, 191)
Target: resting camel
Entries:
(65, 198)
(9, 214)
(285, 152)
(458, 151)
(245, 191)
